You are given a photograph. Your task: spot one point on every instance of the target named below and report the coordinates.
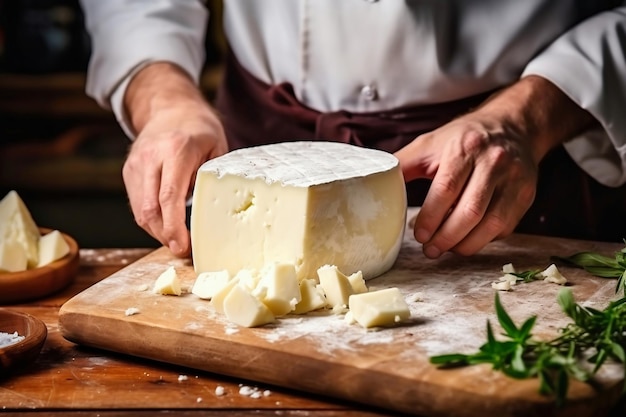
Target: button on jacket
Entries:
(365, 56)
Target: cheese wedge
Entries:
(245, 309)
(168, 283)
(12, 257)
(279, 289)
(379, 308)
(336, 285)
(303, 203)
(207, 284)
(311, 297)
(52, 246)
(17, 224)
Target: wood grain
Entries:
(321, 354)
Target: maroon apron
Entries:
(568, 203)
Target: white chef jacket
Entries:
(370, 55)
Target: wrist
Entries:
(540, 113)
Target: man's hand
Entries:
(484, 165)
(178, 131)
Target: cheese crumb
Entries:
(508, 268)
(219, 391)
(501, 286)
(552, 274)
(131, 311)
(182, 378)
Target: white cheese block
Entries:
(16, 224)
(52, 246)
(207, 284)
(304, 203)
(168, 283)
(311, 297)
(12, 257)
(244, 309)
(217, 301)
(357, 283)
(335, 284)
(379, 308)
(279, 288)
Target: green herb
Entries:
(527, 276)
(598, 335)
(601, 266)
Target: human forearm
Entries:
(159, 87)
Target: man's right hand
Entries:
(177, 132)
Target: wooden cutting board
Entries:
(450, 300)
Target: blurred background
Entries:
(59, 150)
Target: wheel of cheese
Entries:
(305, 203)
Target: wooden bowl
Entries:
(39, 282)
(18, 355)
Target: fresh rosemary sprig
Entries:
(601, 266)
(527, 276)
(600, 334)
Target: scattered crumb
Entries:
(252, 392)
(340, 309)
(132, 311)
(199, 399)
(501, 286)
(219, 391)
(182, 378)
(508, 268)
(143, 287)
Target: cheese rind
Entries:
(52, 246)
(379, 308)
(17, 224)
(304, 203)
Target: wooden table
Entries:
(73, 380)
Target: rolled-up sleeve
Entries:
(588, 63)
(126, 35)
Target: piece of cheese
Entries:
(52, 246)
(357, 282)
(168, 283)
(311, 297)
(17, 224)
(552, 274)
(244, 309)
(280, 288)
(379, 308)
(12, 257)
(217, 301)
(304, 203)
(335, 284)
(207, 284)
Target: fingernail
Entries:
(174, 247)
(432, 252)
(422, 235)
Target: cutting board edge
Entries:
(407, 402)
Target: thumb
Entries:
(415, 162)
